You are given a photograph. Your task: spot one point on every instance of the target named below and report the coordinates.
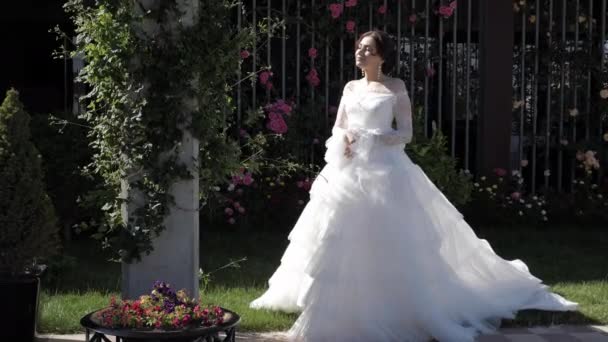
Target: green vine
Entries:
(141, 66)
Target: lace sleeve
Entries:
(341, 123)
(403, 117)
(336, 144)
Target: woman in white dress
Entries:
(379, 253)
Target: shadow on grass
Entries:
(560, 257)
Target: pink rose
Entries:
(229, 211)
(248, 179)
(350, 3)
(264, 76)
(312, 52)
(446, 11)
(312, 77)
(236, 204)
(500, 172)
(278, 126)
(241, 210)
(350, 26)
(336, 10)
(382, 9)
(453, 5)
(244, 54)
(516, 195)
(231, 220)
(274, 116)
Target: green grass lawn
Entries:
(572, 261)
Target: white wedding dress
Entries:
(380, 254)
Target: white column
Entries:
(175, 258)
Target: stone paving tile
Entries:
(557, 333)
(559, 337)
(590, 337)
(524, 338)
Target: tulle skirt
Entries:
(380, 254)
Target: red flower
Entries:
(244, 54)
(446, 11)
(278, 125)
(350, 3)
(336, 10)
(313, 78)
(264, 76)
(453, 4)
(312, 52)
(500, 172)
(382, 9)
(350, 26)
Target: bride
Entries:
(379, 253)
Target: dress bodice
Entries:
(370, 110)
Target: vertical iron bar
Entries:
(327, 86)
(535, 96)
(603, 61)
(371, 25)
(440, 73)
(454, 73)
(239, 108)
(268, 47)
(398, 45)
(522, 93)
(384, 15)
(547, 171)
(254, 84)
(426, 63)
(589, 51)
(298, 50)
(283, 53)
(562, 94)
(574, 79)
(341, 47)
(467, 90)
(312, 44)
(412, 90)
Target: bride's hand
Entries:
(350, 137)
(348, 152)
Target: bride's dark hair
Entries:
(385, 47)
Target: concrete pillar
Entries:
(175, 258)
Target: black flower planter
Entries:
(190, 334)
(19, 296)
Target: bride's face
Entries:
(366, 55)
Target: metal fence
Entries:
(559, 67)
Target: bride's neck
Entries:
(374, 77)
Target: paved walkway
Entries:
(558, 333)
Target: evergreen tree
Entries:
(28, 229)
